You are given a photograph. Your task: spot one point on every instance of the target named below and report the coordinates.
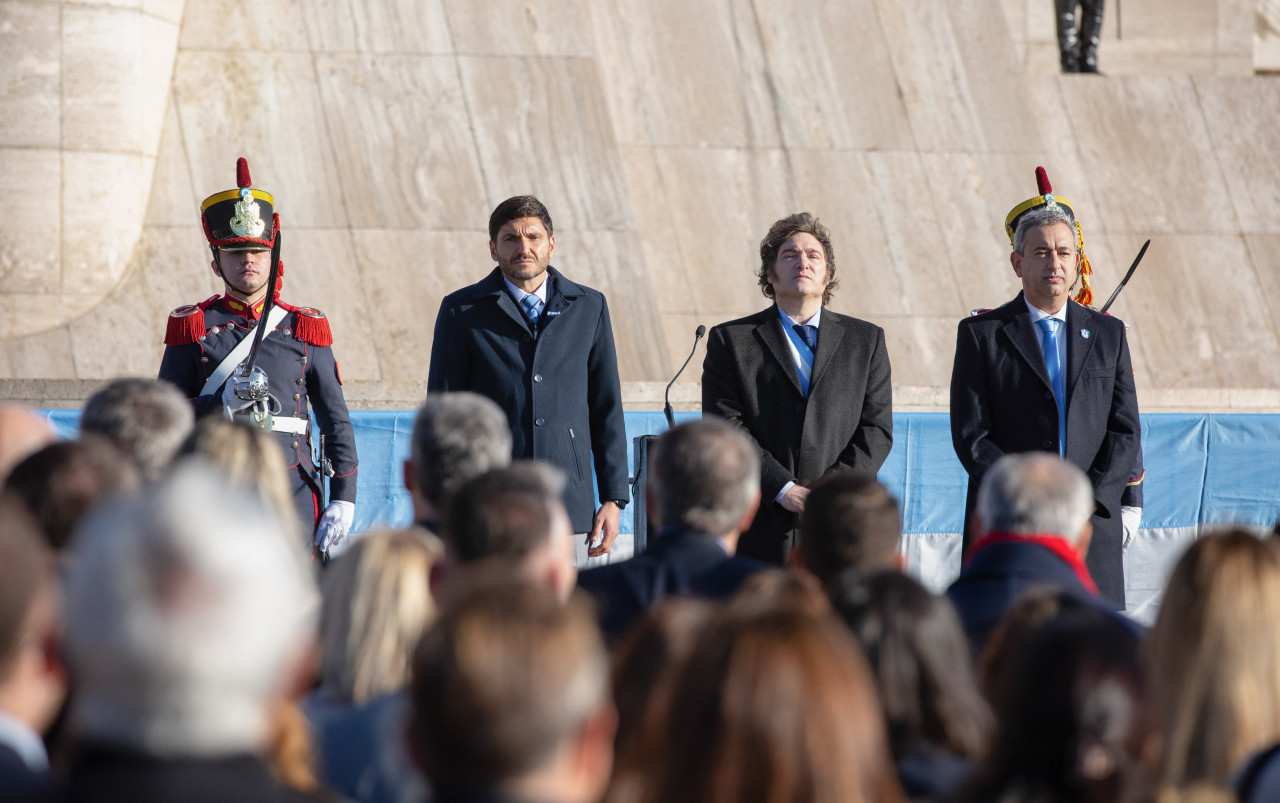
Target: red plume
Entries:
(242, 173)
(1042, 181)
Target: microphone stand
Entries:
(666, 408)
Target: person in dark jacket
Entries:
(705, 488)
(541, 346)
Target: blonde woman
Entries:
(376, 603)
(1215, 660)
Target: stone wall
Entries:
(664, 136)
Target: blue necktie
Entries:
(809, 334)
(532, 309)
(1049, 342)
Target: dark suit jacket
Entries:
(679, 563)
(749, 378)
(17, 780)
(560, 390)
(1002, 402)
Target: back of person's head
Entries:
(376, 602)
(514, 516)
(648, 658)
(1070, 720)
(504, 680)
(456, 437)
(21, 433)
(250, 459)
(1033, 609)
(147, 418)
(706, 476)
(62, 481)
(1035, 493)
(918, 651)
(780, 589)
(182, 630)
(1215, 658)
(850, 521)
(774, 705)
(27, 619)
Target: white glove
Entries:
(1131, 518)
(334, 525)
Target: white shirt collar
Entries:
(541, 292)
(788, 321)
(25, 742)
(1037, 313)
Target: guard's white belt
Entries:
(294, 426)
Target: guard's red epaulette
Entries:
(186, 324)
(310, 325)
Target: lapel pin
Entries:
(1084, 333)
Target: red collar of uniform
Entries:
(242, 309)
(1055, 544)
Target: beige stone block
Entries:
(940, 100)
(989, 69)
(521, 27)
(173, 271)
(1266, 264)
(102, 62)
(172, 201)
(921, 350)
(541, 127)
(377, 26)
(1201, 311)
(1144, 145)
(278, 26)
(158, 54)
(126, 4)
(659, 240)
(1241, 115)
(890, 255)
(404, 302)
(722, 203)
(1041, 25)
(406, 157)
(42, 356)
(323, 272)
(613, 263)
(1044, 60)
(167, 10)
(30, 108)
(31, 314)
(103, 207)
(690, 74)
(1235, 67)
(835, 82)
(30, 223)
(276, 121)
(116, 339)
(1174, 24)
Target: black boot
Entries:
(1090, 30)
(1068, 43)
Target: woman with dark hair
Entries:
(1070, 718)
(938, 722)
(773, 706)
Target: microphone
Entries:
(666, 408)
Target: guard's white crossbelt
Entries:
(237, 354)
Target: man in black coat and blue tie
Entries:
(541, 346)
(1046, 373)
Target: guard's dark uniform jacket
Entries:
(300, 367)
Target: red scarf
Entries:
(1055, 544)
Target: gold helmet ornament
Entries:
(1046, 198)
(242, 219)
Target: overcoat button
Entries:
(539, 422)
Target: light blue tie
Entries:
(1049, 342)
(532, 307)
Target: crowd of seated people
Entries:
(165, 635)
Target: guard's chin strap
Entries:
(217, 261)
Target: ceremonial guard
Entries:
(268, 376)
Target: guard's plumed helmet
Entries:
(1046, 198)
(243, 219)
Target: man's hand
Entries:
(334, 525)
(793, 499)
(604, 530)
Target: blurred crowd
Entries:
(166, 635)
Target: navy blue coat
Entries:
(679, 563)
(299, 374)
(1002, 403)
(560, 389)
